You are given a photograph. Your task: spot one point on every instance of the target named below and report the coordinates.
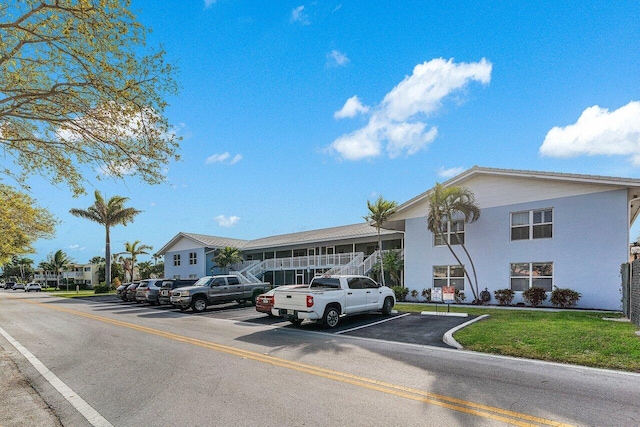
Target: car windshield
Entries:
(204, 281)
(325, 282)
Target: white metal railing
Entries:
(349, 268)
(329, 261)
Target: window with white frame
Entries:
(525, 275)
(176, 260)
(193, 258)
(534, 224)
(448, 275)
(452, 231)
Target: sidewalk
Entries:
(20, 404)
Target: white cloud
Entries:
(208, 3)
(298, 15)
(223, 221)
(397, 125)
(77, 248)
(598, 132)
(222, 158)
(336, 59)
(449, 173)
(351, 108)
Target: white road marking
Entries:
(87, 411)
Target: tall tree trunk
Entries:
(466, 273)
(381, 257)
(107, 256)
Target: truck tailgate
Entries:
(291, 299)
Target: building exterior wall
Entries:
(590, 241)
(186, 269)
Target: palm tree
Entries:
(379, 213)
(24, 264)
(446, 204)
(107, 214)
(58, 262)
(134, 250)
(227, 256)
(145, 269)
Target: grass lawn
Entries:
(72, 293)
(567, 336)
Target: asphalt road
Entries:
(146, 366)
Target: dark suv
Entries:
(170, 284)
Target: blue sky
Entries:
(294, 114)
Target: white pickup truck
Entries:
(327, 298)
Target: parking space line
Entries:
(372, 324)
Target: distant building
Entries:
(85, 274)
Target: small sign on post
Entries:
(449, 294)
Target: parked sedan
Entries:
(18, 286)
(33, 287)
(9, 285)
(130, 293)
(120, 290)
(264, 302)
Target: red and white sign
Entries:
(448, 293)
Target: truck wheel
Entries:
(331, 317)
(254, 298)
(387, 306)
(296, 322)
(199, 304)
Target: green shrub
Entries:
(101, 289)
(401, 292)
(414, 294)
(535, 296)
(564, 298)
(504, 296)
(459, 296)
(426, 294)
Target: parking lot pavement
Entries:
(411, 328)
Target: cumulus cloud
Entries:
(449, 173)
(336, 59)
(397, 125)
(224, 221)
(598, 131)
(224, 158)
(351, 108)
(299, 15)
(208, 3)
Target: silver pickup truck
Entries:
(211, 290)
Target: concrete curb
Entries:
(448, 336)
(443, 313)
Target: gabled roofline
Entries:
(192, 237)
(521, 173)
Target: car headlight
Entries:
(184, 293)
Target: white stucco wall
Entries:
(590, 241)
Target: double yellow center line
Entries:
(452, 403)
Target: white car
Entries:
(33, 287)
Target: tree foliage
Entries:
(134, 249)
(80, 87)
(227, 256)
(447, 204)
(379, 213)
(108, 214)
(22, 222)
(57, 263)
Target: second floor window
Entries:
(193, 258)
(452, 231)
(536, 224)
(176, 260)
(448, 275)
